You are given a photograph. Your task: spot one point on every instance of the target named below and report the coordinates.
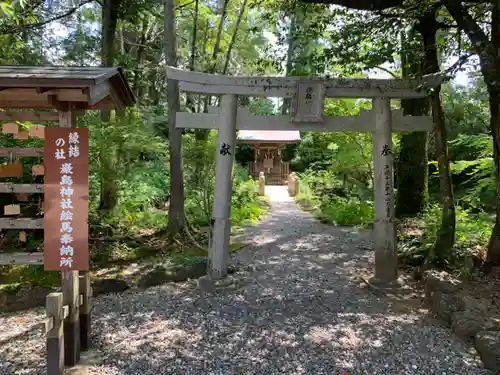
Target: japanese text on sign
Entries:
(66, 199)
(389, 193)
(66, 251)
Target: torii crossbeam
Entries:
(307, 115)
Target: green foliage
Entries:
(346, 155)
(246, 205)
(327, 197)
(472, 233)
(127, 150)
(347, 211)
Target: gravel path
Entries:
(297, 307)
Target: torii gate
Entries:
(307, 95)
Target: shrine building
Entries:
(269, 146)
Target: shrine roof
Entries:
(43, 86)
(287, 136)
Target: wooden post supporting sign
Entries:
(219, 250)
(85, 308)
(384, 229)
(55, 338)
(65, 220)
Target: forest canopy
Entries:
(152, 180)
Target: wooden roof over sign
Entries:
(47, 86)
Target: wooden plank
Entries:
(71, 298)
(31, 104)
(48, 324)
(55, 336)
(11, 170)
(37, 131)
(32, 94)
(97, 93)
(55, 73)
(7, 187)
(29, 116)
(38, 170)
(23, 135)
(12, 209)
(7, 223)
(106, 103)
(362, 123)
(285, 86)
(85, 311)
(65, 311)
(21, 258)
(10, 128)
(19, 152)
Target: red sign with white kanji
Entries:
(66, 199)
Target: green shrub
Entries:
(332, 201)
(347, 211)
(246, 204)
(472, 233)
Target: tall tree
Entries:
(412, 168)
(109, 187)
(488, 50)
(176, 212)
(428, 27)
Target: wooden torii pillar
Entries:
(308, 99)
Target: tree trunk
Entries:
(489, 58)
(192, 59)
(213, 63)
(493, 255)
(138, 84)
(202, 134)
(109, 186)
(290, 54)
(412, 169)
(233, 37)
(446, 235)
(176, 213)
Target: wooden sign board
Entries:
(37, 131)
(268, 163)
(23, 135)
(11, 170)
(66, 190)
(38, 170)
(10, 128)
(22, 197)
(22, 237)
(12, 209)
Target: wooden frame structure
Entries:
(307, 96)
(62, 93)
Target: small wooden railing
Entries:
(66, 333)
